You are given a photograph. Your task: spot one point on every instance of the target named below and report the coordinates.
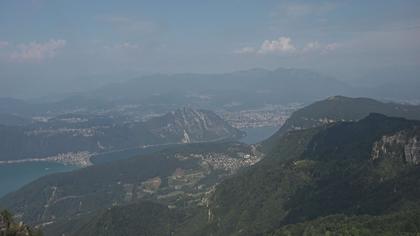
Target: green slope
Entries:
(335, 174)
(339, 108)
(321, 181)
(179, 176)
(401, 223)
(359, 177)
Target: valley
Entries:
(79, 158)
(256, 125)
(210, 118)
(216, 182)
(15, 174)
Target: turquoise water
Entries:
(255, 135)
(132, 152)
(14, 176)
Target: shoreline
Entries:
(79, 159)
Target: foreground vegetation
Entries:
(9, 227)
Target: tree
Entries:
(7, 217)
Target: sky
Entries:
(53, 46)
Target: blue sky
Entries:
(75, 44)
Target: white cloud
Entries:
(277, 46)
(281, 45)
(4, 44)
(284, 45)
(35, 51)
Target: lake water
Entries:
(255, 135)
(14, 176)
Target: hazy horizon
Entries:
(212, 118)
(51, 47)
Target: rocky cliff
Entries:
(404, 145)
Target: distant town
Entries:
(80, 159)
(267, 116)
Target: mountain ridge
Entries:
(348, 170)
(325, 179)
(74, 134)
(342, 108)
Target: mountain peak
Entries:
(185, 109)
(193, 125)
(338, 98)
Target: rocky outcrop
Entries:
(412, 150)
(404, 144)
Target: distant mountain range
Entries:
(345, 170)
(257, 86)
(236, 90)
(247, 88)
(78, 133)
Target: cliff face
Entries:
(404, 145)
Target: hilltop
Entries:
(340, 108)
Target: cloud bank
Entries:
(281, 45)
(284, 45)
(35, 51)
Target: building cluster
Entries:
(272, 115)
(81, 159)
(222, 161)
(85, 132)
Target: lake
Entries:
(14, 176)
(255, 135)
